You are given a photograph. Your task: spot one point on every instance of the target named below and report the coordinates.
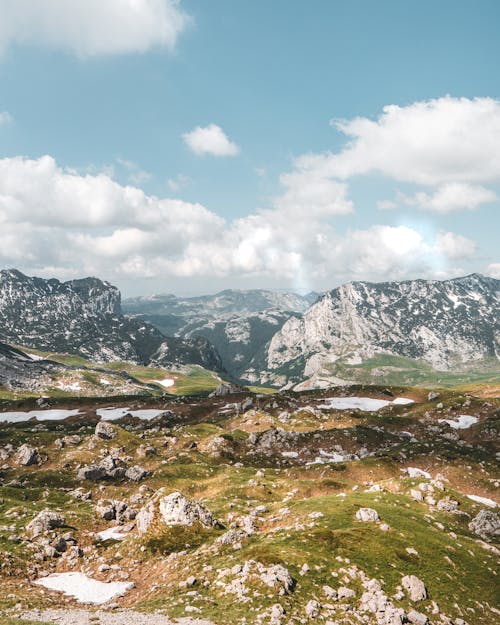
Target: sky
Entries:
(192, 146)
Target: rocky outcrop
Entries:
(414, 587)
(486, 524)
(27, 456)
(45, 521)
(173, 509)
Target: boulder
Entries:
(45, 521)
(105, 430)
(417, 618)
(278, 575)
(27, 456)
(312, 609)
(486, 524)
(136, 473)
(448, 505)
(367, 515)
(414, 587)
(173, 509)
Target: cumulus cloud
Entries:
(210, 139)
(455, 246)
(449, 145)
(56, 220)
(92, 27)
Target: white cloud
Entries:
(430, 143)
(311, 194)
(179, 182)
(455, 246)
(210, 140)
(92, 27)
(493, 270)
(447, 144)
(52, 218)
(5, 118)
(447, 198)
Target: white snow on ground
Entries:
(361, 403)
(166, 383)
(327, 457)
(290, 454)
(111, 414)
(39, 415)
(83, 588)
(105, 382)
(483, 500)
(69, 387)
(34, 356)
(112, 532)
(462, 423)
(414, 472)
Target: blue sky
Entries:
(275, 195)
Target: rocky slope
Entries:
(238, 323)
(346, 507)
(84, 317)
(448, 324)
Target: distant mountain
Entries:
(238, 323)
(448, 324)
(84, 317)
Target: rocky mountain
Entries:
(238, 323)
(448, 324)
(84, 317)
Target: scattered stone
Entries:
(432, 396)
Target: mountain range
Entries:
(263, 337)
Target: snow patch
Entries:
(463, 422)
(367, 404)
(290, 454)
(415, 472)
(111, 533)
(39, 415)
(83, 588)
(167, 383)
(484, 500)
(112, 414)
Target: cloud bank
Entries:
(55, 221)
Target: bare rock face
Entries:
(415, 587)
(486, 524)
(27, 456)
(45, 521)
(105, 430)
(173, 509)
(367, 515)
